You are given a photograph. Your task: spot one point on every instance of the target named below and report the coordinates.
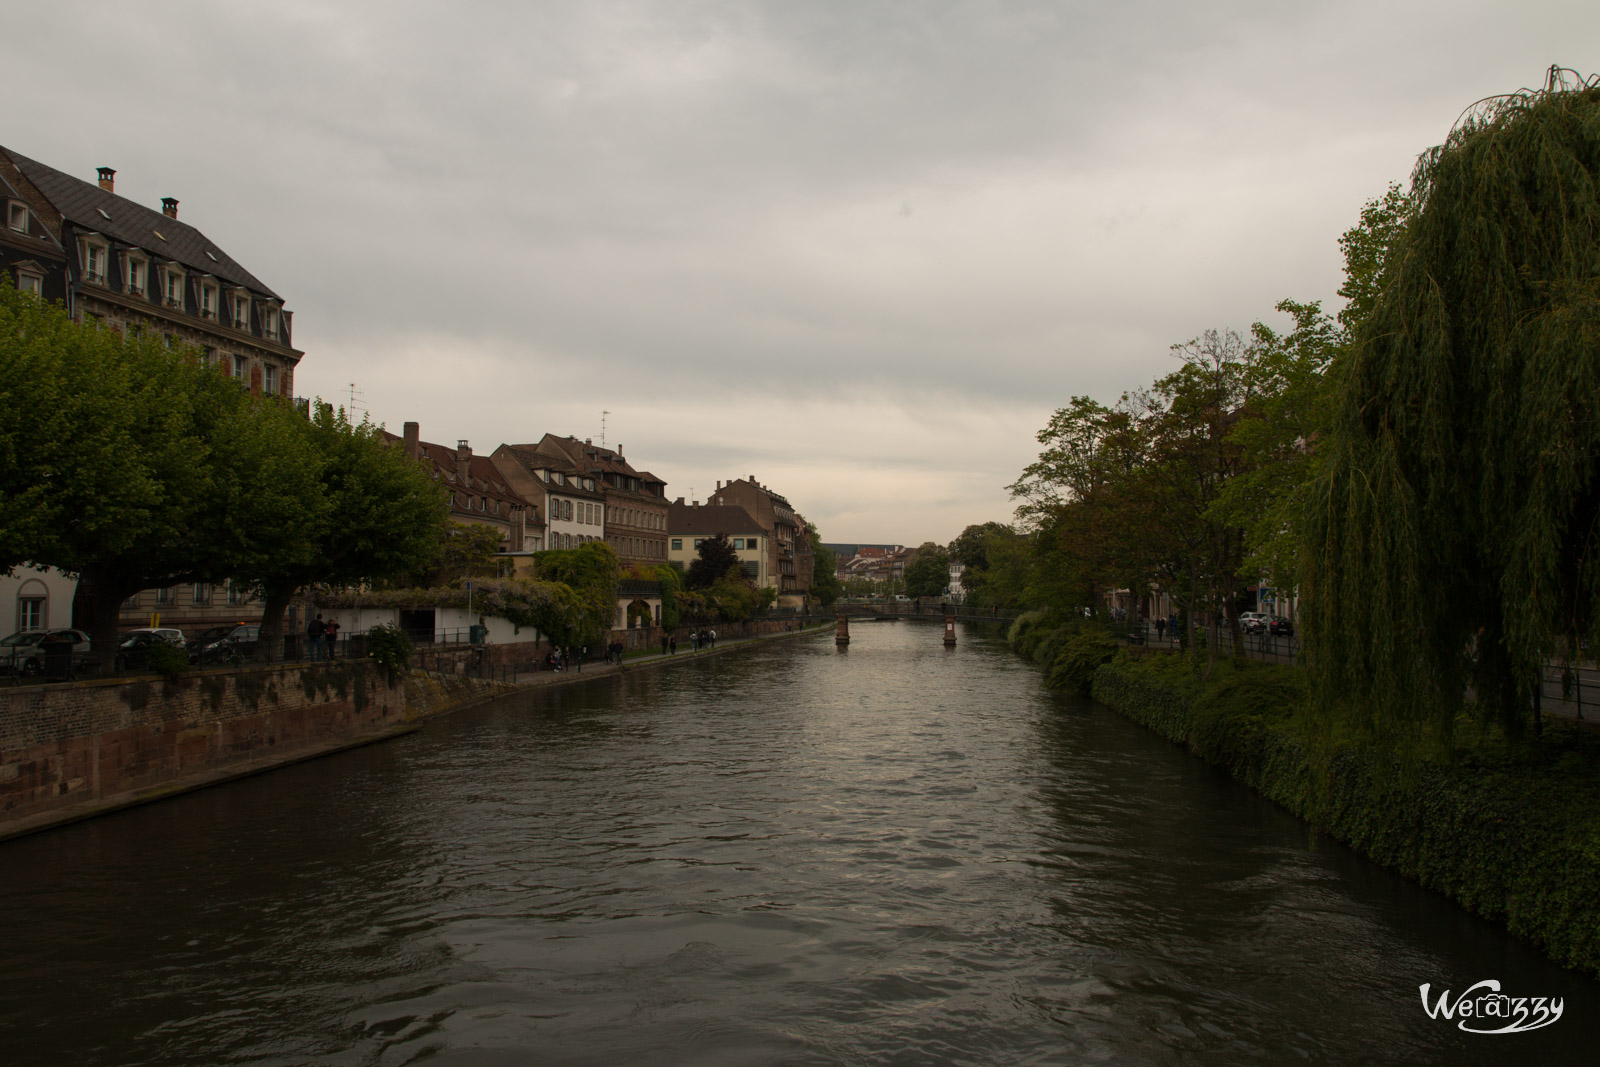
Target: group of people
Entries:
(559, 658)
(322, 636)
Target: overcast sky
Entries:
(859, 250)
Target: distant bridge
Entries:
(927, 613)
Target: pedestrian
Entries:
(663, 644)
(713, 639)
(672, 646)
(314, 631)
(1161, 629)
(330, 634)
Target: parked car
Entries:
(23, 651)
(1281, 628)
(221, 644)
(133, 647)
(1254, 622)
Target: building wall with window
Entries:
(635, 501)
(689, 524)
(140, 271)
(36, 600)
(570, 501)
(789, 552)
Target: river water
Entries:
(786, 854)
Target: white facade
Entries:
(36, 600)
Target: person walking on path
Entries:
(672, 646)
(330, 634)
(663, 644)
(314, 631)
(713, 639)
(1161, 629)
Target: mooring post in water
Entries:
(949, 631)
(841, 636)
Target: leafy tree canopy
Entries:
(1451, 528)
(715, 556)
(928, 571)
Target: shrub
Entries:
(390, 646)
(168, 660)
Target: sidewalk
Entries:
(630, 661)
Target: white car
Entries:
(23, 652)
(1254, 622)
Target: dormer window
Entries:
(136, 276)
(17, 216)
(30, 283)
(241, 312)
(269, 323)
(172, 290)
(94, 262)
(208, 301)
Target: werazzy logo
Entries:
(1483, 1009)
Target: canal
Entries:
(786, 854)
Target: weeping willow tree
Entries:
(1453, 534)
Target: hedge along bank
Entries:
(1510, 832)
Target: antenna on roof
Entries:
(603, 415)
(355, 396)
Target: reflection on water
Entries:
(896, 854)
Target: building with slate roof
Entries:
(635, 502)
(789, 552)
(479, 493)
(136, 269)
(689, 524)
(570, 499)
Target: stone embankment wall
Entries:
(77, 746)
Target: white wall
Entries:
(56, 588)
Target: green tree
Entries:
(1450, 529)
(378, 519)
(467, 550)
(715, 555)
(132, 465)
(928, 571)
(591, 571)
(825, 584)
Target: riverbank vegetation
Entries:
(1423, 469)
(1508, 828)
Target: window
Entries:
(208, 356)
(697, 541)
(94, 262)
(752, 569)
(269, 323)
(136, 276)
(200, 593)
(30, 613)
(172, 292)
(30, 283)
(241, 312)
(164, 595)
(208, 302)
(271, 379)
(93, 318)
(241, 366)
(17, 216)
(566, 511)
(233, 592)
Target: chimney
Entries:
(719, 485)
(752, 480)
(464, 463)
(588, 441)
(108, 179)
(679, 502)
(413, 447)
(169, 207)
(619, 448)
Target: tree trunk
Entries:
(1211, 629)
(107, 590)
(274, 602)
